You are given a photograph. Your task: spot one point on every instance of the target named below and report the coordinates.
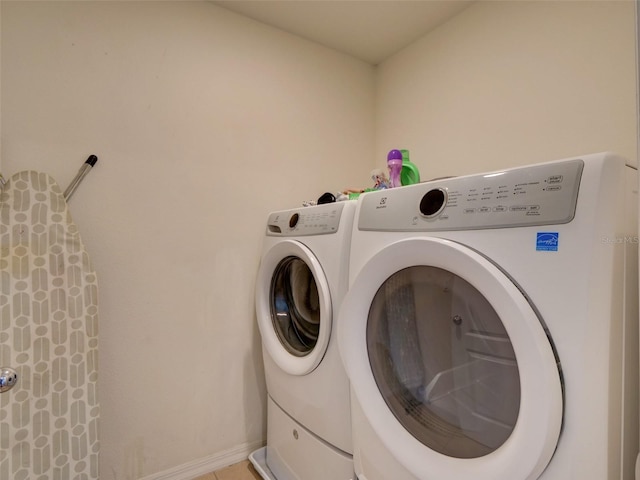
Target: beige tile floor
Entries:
(239, 471)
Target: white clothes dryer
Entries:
(302, 279)
(490, 330)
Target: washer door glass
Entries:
(295, 306)
(443, 362)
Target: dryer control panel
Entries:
(316, 220)
(540, 194)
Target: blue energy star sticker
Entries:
(547, 241)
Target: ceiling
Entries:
(370, 30)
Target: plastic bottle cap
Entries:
(394, 155)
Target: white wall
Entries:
(203, 122)
(509, 83)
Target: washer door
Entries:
(451, 364)
(293, 307)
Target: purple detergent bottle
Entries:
(394, 162)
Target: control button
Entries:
(469, 210)
(552, 188)
(484, 209)
(534, 208)
(293, 221)
(555, 179)
(518, 208)
(433, 202)
(500, 208)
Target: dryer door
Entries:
(451, 364)
(293, 307)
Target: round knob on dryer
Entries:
(433, 202)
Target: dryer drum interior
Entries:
(295, 306)
(443, 362)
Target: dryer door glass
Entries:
(443, 362)
(295, 306)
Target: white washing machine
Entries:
(302, 279)
(490, 330)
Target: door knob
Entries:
(8, 379)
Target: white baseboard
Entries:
(208, 464)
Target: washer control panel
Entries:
(542, 194)
(316, 220)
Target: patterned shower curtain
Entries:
(48, 334)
